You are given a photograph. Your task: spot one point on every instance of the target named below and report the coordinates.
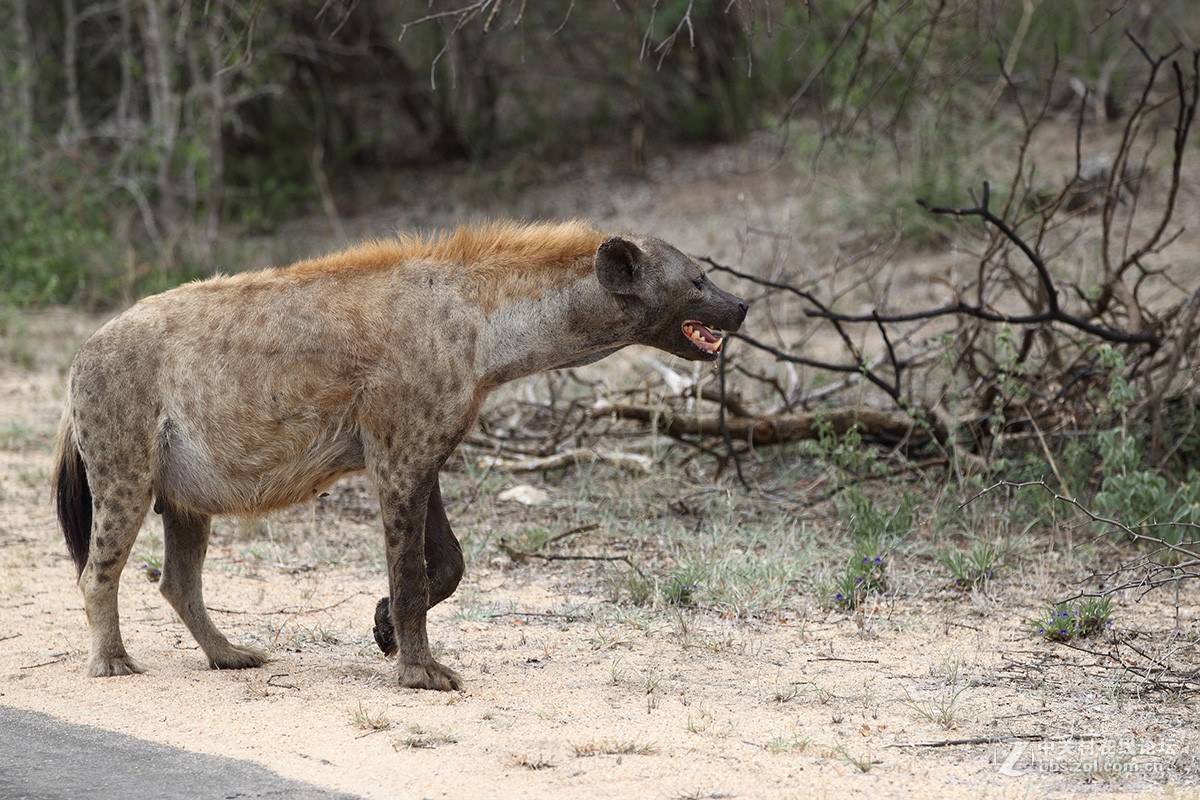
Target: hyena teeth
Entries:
(710, 340)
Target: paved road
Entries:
(43, 758)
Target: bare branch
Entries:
(1136, 534)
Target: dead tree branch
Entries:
(1053, 314)
(860, 364)
(1135, 533)
(1043, 378)
(890, 427)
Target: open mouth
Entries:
(704, 337)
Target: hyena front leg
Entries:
(185, 543)
(443, 565)
(119, 504)
(443, 553)
(404, 504)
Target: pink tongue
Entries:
(707, 341)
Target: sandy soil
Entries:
(567, 694)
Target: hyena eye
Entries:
(698, 282)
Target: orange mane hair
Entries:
(497, 261)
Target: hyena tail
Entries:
(72, 493)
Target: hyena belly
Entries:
(235, 439)
(289, 467)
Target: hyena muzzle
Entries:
(247, 393)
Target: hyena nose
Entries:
(743, 307)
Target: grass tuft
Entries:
(1075, 619)
(975, 569)
(369, 720)
(614, 747)
(419, 738)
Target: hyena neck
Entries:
(576, 325)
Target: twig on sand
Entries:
(289, 611)
(55, 658)
(1024, 737)
(521, 555)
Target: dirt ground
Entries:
(568, 694)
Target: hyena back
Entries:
(253, 392)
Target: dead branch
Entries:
(1019, 737)
(1054, 312)
(281, 685)
(874, 425)
(55, 658)
(860, 364)
(1135, 533)
(569, 458)
(1045, 379)
(521, 556)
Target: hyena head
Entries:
(671, 303)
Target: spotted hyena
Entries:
(252, 392)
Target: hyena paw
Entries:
(430, 676)
(385, 632)
(237, 656)
(107, 667)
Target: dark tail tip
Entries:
(74, 499)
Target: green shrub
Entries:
(55, 245)
(863, 574)
(1081, 618)
(1144, 499)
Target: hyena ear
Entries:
(619, 266)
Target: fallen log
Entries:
(873, 424)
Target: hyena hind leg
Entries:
(185, 543)
(118, 512)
